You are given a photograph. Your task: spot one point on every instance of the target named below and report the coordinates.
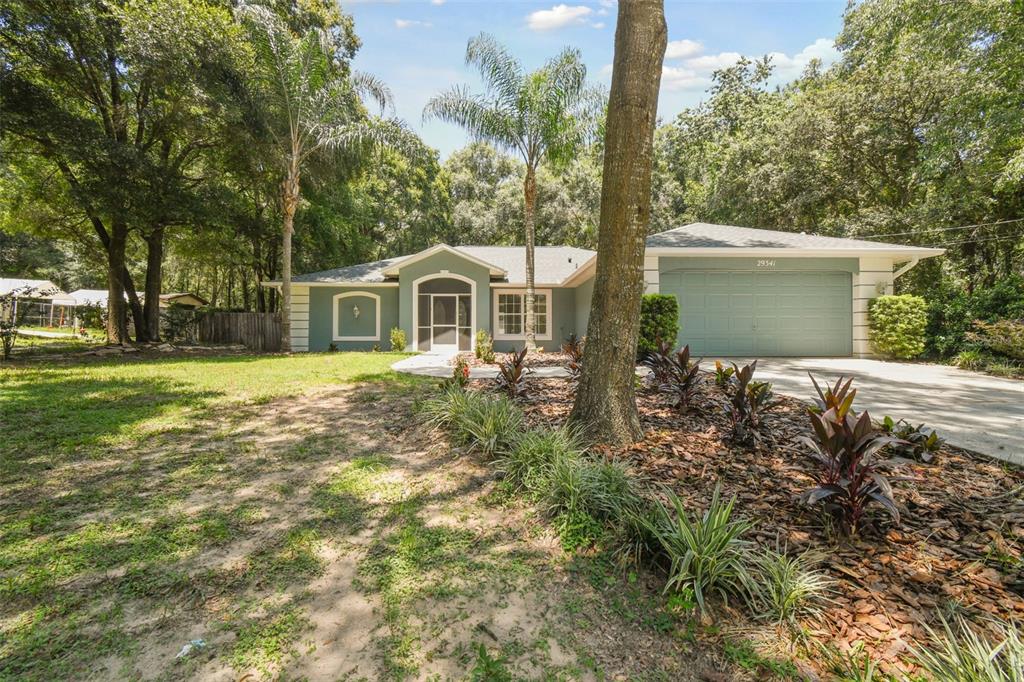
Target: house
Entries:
(741, 292)
(98, 297)
(34, 302)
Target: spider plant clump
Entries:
(445, 410)
(961, 654)
(785, 587)
(707, 554)
(844, 445)
(527, 465)
(511, 379)
(487, 424)
(750, 400)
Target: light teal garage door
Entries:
(763, 314)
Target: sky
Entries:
(418, 47)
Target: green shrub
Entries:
(659, 320)
(398, 339)
(787, 587)
(490, 425)
(1005, 337)
(897, 325)
(960, 653)
(970, 358)
(445, 410)
(484, 349)
(708, 555)
(527, 465)
(951, 312)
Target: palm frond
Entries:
(367, 85)
(500, 71)
(483, 119)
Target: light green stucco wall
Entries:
(668, 264)
(584, 296)
(321, 317)
(433, 266)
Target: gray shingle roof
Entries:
(553, 264)
(364, 272)
(708, 236)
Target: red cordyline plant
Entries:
(573, 347)
(512, 373)
(659, 361)
(845, 445)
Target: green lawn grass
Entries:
(97, 463)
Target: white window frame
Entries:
(548, 298)
(336, 300)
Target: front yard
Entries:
(222, 516)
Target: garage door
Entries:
(763, 314)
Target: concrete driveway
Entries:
(975, 411)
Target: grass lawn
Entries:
(288, 512)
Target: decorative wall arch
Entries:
(335, 332)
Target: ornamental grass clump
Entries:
(845, 446)
(786, 587)
(488, 424)
(708, 554)
(527, 465)
(959, 653)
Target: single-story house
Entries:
(98, 297)
(741, 292)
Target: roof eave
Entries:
(393, 270)
(904, 252)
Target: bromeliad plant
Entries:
(659, 361)
(918, 442)
(512, 373)
(683, 378)
(845, 446)
(750, 400)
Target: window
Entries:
(510, 313)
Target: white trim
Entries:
(427, 253)
(334, 316)
(521, 337)
(353, 283)
(415, 341)
(589, 267)
(792, 252)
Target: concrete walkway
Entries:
(972, 410)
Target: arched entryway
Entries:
(444, 312)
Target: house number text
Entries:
(766, 263)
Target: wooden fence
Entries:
(256, 331)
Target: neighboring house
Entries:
(37, 302)
(98, 297)
(741, 292)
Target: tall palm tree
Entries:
(309, 104)
(544, 115)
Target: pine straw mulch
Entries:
(957, 549)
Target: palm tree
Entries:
(310, 104)
(545, 115)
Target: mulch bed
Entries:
(544, 359)
(959, 543)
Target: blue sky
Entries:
(418, 47)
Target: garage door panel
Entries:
(729, 313)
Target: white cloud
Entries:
(411, 23)
(599, 24)
(436, 2)
(606, 71)
(681, 49)
(557, 17)
(692, 70)
(682, 78)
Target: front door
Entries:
(444, 311)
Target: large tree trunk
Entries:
(530, 219)
(290, 195)
(605, 406)
(154, 281)
(117, 311)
